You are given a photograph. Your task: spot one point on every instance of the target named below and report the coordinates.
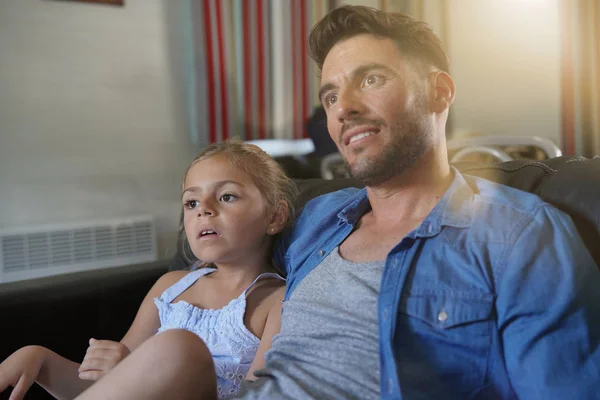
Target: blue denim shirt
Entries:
(493, 296)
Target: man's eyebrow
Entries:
(214, 185)
(324, 89)
(358, 71)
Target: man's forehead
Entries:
(348, 55)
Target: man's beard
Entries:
(410, 138)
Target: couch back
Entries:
(570, 183)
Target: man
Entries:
(427, 284)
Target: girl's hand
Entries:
(21, 369)
(100, 357)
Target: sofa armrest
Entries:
(62, 312)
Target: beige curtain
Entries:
(581, 76)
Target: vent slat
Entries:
(110, 244)
(13, 253)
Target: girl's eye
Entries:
(191, 204)
(227, 198)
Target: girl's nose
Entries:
(206, 210)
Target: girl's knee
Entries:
(178, 336)
(181, 340)
(183, 347)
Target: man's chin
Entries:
(370, 176)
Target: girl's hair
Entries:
(266, 173)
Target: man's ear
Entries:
(441, 88)
(278, 218)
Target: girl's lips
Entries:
(208, 237)
(207, 234)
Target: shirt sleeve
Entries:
(548, 306)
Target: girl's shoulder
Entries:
(166, 281)
(171, 277)
(264, 299)
(272, 285)
(268, 291)
(172, 284)
(276, 294)
(268, 281)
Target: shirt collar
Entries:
(453, 209)
(357, 205)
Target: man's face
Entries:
(377, 108)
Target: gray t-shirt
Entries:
(328, 346)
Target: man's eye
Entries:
(191, 204)
(330, 99)
(372, 80)
(227, 198)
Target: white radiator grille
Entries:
(48, 250)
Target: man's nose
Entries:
(349, 105)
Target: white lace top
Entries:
(231, 344)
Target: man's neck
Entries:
(410, 196)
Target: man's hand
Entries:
(100, 357)
(21, 370)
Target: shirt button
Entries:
(321, 252)
(390, 385)
(442, 316)
(385, 313)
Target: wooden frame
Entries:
(109, 2)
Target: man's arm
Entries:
(548, 309)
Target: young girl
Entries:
(235, 199)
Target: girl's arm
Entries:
(272, 326)
(32, 364)
(147, 322)
(58, 376)
(65, 379)
(103, 355)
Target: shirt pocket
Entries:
(443, 342)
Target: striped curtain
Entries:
(580, 77)
(251, 76)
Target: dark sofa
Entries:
(63, 312)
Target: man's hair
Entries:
(414, 38)
(266, 173)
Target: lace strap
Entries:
(263, 275)
(184, 283)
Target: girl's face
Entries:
(224, 214)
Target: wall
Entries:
(92, 114)
(505, 57)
